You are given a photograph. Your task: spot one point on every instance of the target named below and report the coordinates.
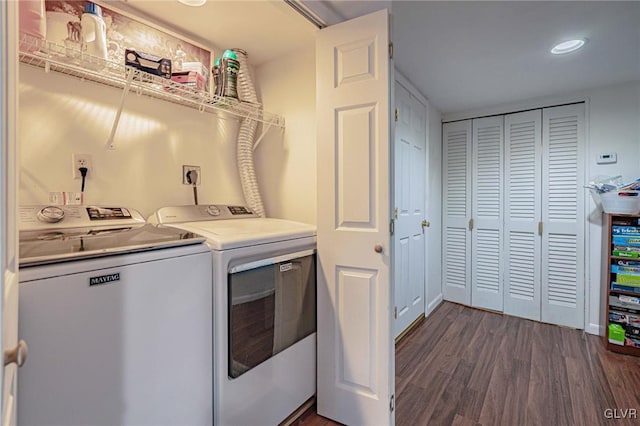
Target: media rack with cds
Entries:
(621, 276)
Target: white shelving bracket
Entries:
(116, 120)
(265, 129)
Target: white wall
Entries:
(286, 160)
(434, 209)
(61, 115)
(613, 115)
(614, 125)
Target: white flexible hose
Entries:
(246, 137)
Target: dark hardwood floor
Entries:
(464, 366)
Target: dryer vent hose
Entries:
(246, 138)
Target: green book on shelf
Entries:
(621, 253)
(628, 279)
(616, 334)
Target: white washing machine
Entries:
(117, 317)
(264, 292)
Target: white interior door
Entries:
(523, 157)
(487, 206)
(563, 215)
(456, 265)
(409, 195)
(355, 296)
(8, 201)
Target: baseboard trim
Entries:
(595, 329)
(409, 329)
(434, 304)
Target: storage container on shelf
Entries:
(621, 201)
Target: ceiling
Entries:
(466, 55)
(460, 55)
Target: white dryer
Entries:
(264, 298)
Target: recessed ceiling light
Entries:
(568, 46)
(193, 2)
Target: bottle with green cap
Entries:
(228, 77)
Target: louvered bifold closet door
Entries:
(563, 215)
(487, 207)
(456, 266)
(523, 158)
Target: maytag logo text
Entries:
(104, 279)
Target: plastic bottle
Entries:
(229, 75)
(32, 22)
(178, 58)
(216, 76)
(94, 31)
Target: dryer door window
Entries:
(271, 306)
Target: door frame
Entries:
(8, 199)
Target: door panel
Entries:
(487, 207)
(355, 345)
(523, 157)
(355, 185)
(563, 216)
(456, 268)
(409, 177)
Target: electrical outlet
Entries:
(80, 160)
(187, 169)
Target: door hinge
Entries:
(471, 224)
(540, 228)
(392, 403)
(392, 227)
(395, 312)
(395, 214)
(396, 115)
(390, 50)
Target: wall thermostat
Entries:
(607, 158)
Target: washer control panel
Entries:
(50, 214)
(181, 214)
(108, 213)
(238, 210)
(213, 210)
(58, 217)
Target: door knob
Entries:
(17, 354)
(426, 223)
(378, 248)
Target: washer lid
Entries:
(235, 233)
(57, 245)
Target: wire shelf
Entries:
(72, 61)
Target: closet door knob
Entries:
(378, 248)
